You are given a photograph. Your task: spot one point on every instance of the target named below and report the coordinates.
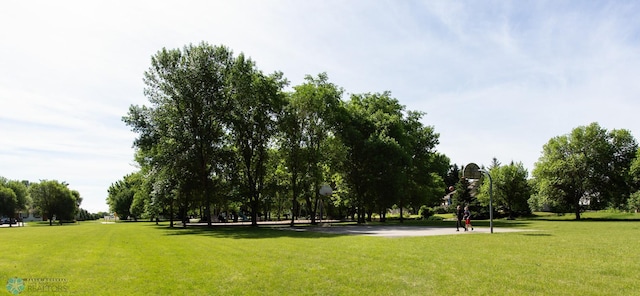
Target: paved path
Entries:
(400, 231)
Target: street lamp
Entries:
(490, 198)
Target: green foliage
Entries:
(181, 136)
(435, 218)
(257, 99)
(633, 204)
(425, 212)
(306, 138)
(121, 194)
(511, 189)
(84, 215)
(8, 202)
(443, 209)
(205, 139)
(390, 157)
(588, 167)
(14, 197)
(453, 175)
(634, 172)
(54, 199)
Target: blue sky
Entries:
(496, 78)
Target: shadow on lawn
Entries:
(319, 231)
(452, 223)
(536, 234)
(250, 232)
(588, 219)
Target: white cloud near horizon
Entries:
(496, 78)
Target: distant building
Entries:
(30, 216)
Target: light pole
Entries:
(490, 198)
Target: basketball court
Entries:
(400, 231)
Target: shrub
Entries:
(443, 209)
(633, 203)
(425, 212)
(435, 218)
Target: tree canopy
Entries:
(14, 197)
(54, 199)
(205, 139)
(220, 138)
(511, 189)
(587, 168)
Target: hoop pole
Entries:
(490, 198)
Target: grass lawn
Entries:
(559, 258)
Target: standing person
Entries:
(459, 216)
(467, 219)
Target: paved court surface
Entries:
(401, 231)
(368, 230)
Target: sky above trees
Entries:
(496, 79)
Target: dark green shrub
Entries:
(425, 212)
(443, 209)
(435, 218)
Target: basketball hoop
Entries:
(326, 190)
(472, 171)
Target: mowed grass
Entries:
(550, 258)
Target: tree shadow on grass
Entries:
(589, 219)
(306, 231)
(452, 223)
(537, 234)
(249, 232)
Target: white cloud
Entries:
(495, 78)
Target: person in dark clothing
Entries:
(459, 216)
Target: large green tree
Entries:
(256, 103)
(121, 195)
(15, 197)
(8, 202)
(356, 130)
(182, 132)
(511, 189)
(389, 153)
(588, 167)
(424, 182)
(52, 198)
(306, 127)
(213, 119)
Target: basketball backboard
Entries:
(472, 171)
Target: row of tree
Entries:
(222, 136)
(49, 198)
(589, 168)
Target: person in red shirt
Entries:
(467, 219)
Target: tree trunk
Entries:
(171, 215)
(208, 212)
(310, 210)
(577, 207)
(293, 212)
(254, 209)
